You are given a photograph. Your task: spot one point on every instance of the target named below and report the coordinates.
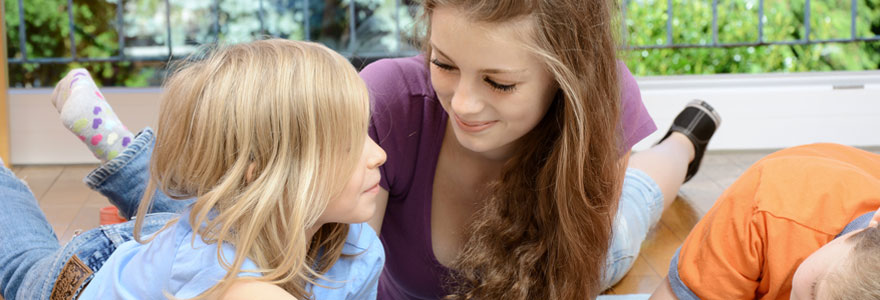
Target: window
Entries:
(128, 42)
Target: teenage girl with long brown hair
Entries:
(508, 142)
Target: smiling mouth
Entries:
(473, 126)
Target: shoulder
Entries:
(398, 77)
(400, 91)
(406, 119)
(361, 240)
(356, 274)
(635, 120)
(247, 289)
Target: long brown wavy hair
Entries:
(545, 228)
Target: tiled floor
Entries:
(70, 205)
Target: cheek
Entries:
(525, 110)
(443, 83)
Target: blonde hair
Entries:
(545, 230)
(858, 276)
(262, 134)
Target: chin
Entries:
(364, 213)
(475, 144)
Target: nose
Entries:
(377, 155)
(465, 101)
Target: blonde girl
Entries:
(269, 139)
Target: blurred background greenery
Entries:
(738, 23)
(383, 28)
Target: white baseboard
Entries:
(758, 111)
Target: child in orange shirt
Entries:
(794, 225)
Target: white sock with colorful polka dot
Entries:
(85, 112)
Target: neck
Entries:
(310, 233)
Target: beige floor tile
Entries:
(724, 174)
(745, 159)
(69, 188)
(680, 218)
(642, 268)
(60, 216)
(641, 284)
(701, 194)
(39, 178)
(85, 219)
(659, 248)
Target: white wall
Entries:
(758, 112)
(773, 111)
(36, 133)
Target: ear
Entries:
(249, 175)
(875, 219)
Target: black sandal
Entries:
(698, 122)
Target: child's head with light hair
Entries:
(848, 267)
(270, 137)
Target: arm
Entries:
(723, 255)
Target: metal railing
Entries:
(121, 57)
(759, 42)
(352, 52)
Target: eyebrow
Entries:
(485, 71)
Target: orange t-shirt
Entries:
(781, 210)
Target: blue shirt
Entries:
(172, 265)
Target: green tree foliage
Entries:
(738, 23)
(48, 35)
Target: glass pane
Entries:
(377, 27)
(737, 21)
(692, 22)
(192, 24)
(868, 18)
(146, 29)
(410, 12)
(12, 20)
(646, 22)
(329, 23)
(284, 19)
(830, 19)
(783, 20)
(239, 21)
(95, 28)
(47, 31)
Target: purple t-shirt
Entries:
(408, 123)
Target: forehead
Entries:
(481, 43)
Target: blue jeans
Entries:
(639, 209)
(31, 257)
